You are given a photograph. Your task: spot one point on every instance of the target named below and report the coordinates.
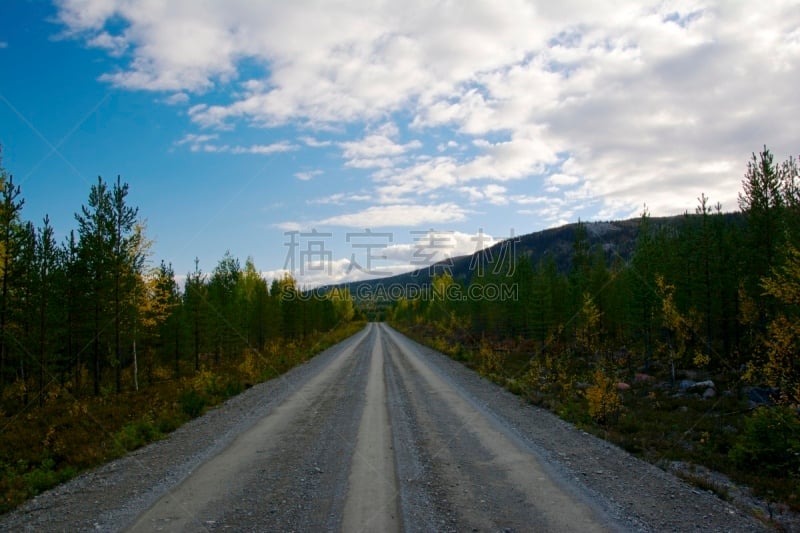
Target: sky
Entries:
(350, 139)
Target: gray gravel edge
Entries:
(635, 492)
(110, 497)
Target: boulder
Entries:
(760, 395)
(701, 386)
(623, 386)
(685, 384)
(709, 393)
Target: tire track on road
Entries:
(372, 497)
(239, 482)
(489, 478)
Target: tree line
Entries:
(92, 315)
(714, 291)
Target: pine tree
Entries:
(222, 296)
(522, 311)
(581, 265)
(762, 203)
(10, 269)
(543, 299)
(789, 176)
(126, 263)
(195, 298)
(95, 227)
(642, 277)
(285, 293)
(252, 294)
(73, 289)
(26, 300)
(46, 263)
(170, 297)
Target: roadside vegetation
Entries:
(44, 446)
(101, 351)
(684, 354)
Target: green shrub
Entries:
(21, 481)
(135, 435)
(41, 478)
(770, 441)
(575, 412)
(232, 387)
(169, 423)
(192, 403)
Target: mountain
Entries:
(616, 238)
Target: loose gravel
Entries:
(445, 483)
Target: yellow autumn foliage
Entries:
(605, 401)
(780, 366)
(489, 361)
(251, 367)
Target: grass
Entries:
(703, 483)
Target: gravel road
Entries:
(378, 433)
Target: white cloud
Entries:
(526, 154)
(340, 198)
(176, 99)
(333, 199)
(562, 179)
(648, 101)
(437, 245)
(282, 146)
(531, 200)
(491, 193)
(197, 142)
(308, 175)
(378, 149)
(289, 226)
(206, 143)
(314, 143)
(398, 215)
(114, 44)
(326, 64)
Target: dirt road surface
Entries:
(378, 434)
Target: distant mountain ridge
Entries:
(617, 239)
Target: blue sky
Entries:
(236, 122)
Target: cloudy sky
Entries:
(238, 122)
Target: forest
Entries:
(683, 353)
(686, 351)
(102, 351)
